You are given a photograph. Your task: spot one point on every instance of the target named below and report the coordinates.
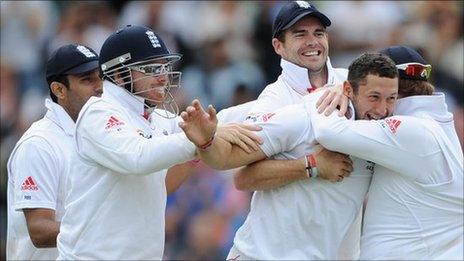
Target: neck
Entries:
(72, 114)
(318, 78)
(69, 111)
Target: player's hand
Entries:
(199, 126)
(333, 98)
(333, 166)
(241, 134)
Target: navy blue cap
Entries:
(402, 54)
(292, 12)
(71, 59)
(132, 44)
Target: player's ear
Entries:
(58, 89)
(348, 89)
(278, 46)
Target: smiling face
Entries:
(305, 44)
(374, 98)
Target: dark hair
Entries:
(281, 37)
(414, 87)
(63, 79)
(370, 63)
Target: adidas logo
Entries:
(267, 116)
(113, 122)
(393, 124)
(29, 184)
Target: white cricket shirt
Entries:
(291, 86)
(308, 219)
(116, 205)
(237, 113)
(36, 179)
(415, 206)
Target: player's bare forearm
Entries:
(224, 155)
(270, 174)
(42, 227)
(177, 175)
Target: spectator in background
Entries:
(25, 26)
(217, 76)
(151, 14)
(86, 22)
(374, 21)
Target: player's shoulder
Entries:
(420, 133)
(42, 130)
(276, 87)
(97, 109)
(95, 103)
(413, 123)
(35, 143)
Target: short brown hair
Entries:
(370, 63)
(414, 87)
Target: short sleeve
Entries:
(36, 172)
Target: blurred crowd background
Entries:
(227, 59)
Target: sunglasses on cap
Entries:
(416, 70)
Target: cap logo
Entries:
(153, 39)
(85, 51)
(303, 4)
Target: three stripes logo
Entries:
(29, 184)
(393, 124)
(113, 122)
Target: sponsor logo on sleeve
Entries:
(260, 117)
(267, 116)
(29, 184)
(252, 118)
(392, 124)
(113, 122)
(143, 134)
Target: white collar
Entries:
(60, 117)
(423, 105)
(298, 77)
(123, 97)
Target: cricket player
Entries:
(316, 224)
(116, 205)
(40, 160)
(415, 204)
(301, 39)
